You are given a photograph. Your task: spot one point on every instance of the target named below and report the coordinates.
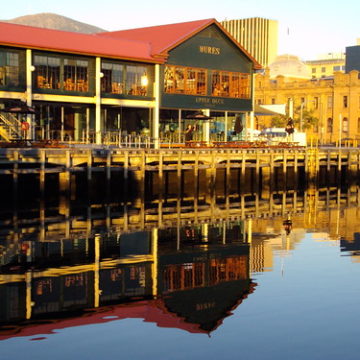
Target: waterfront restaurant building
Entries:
(148, 82)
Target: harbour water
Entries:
(255, 276)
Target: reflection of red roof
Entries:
(89, 44)
(150, 311)
(153, 311)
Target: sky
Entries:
(307, 28)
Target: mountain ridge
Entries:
(56, 22)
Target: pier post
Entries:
(196, 181)
(64, 177)
(42, 172)
(15, 175)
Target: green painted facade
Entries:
(222, 54)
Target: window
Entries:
(113, 80)
(316, 102)
(47, 72)
(127, 79)
(226, 84)
(345, 101)
(329, 102)
(184, 80)
(345, 125)
(136, 82)
(9, 68)
(323, 69)
(61, 73)
(313, 70)
(358, 125)
(220, 83)
(330, 125)
(336, 68)
(273, 101)
(75, 75)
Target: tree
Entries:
(279, 121)
(308, 119)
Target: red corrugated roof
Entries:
(163, 38)
(70, 42)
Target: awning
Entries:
(268, 110)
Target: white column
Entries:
(98, 76)
(179, 125)
(206, 126)
(226, 125)
(156, 112)
(252, 115)
(29, 69)
(252, 125)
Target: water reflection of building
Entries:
(192, 286)
(352, 247)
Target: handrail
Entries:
(13, 125)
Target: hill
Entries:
(54, 21)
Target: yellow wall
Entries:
(316, 67)
(280, 90)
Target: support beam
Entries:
(98, 76)
(156, 112)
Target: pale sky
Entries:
(307, 28)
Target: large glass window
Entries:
(127, 79)
(61, 73)
(226, 84)
(76, 75)
(112, 81)
(9, 68)
(184, 80)
(136, 80)
(47, 72)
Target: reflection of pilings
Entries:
(140, 216)
(28, 279)
(97, 290)
(154, 252)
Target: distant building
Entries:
(289, 66)
(326, 65)
(334, 101)
(352, 58)
(258, 36)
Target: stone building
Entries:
(333, 101)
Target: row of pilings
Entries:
(96, 174)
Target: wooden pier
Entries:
(272, 164)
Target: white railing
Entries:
(10, 126)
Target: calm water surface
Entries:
(241, 286)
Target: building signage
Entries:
(212, 50)
(208, 100)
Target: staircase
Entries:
(10, 127)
